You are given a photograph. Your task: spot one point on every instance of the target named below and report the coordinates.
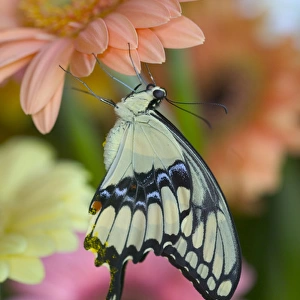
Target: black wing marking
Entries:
(208, 251)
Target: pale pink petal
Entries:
(179, 33)
(82, 64)
(186, 0)
(44, 120)
(121, 32)
(9, 14)
(93, 39)
(248, 278)
(12, 68)
(11, 52)
(143, 14)
(173, 7)
(119, 60)
(150, 47)
(16, 34)
(43, 75)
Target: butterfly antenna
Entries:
(190, 112)
(110, 75)
(206, 103)
(150, 74)
(90, 91)
(138, 75)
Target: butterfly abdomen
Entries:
(113, 140)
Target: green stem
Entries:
(182, 84)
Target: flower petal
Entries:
(179, 33)
(39, 244)
(12, 243)
(143, 14)
(9, 14)
(82, 64)
(93, 39)
(10, 52)
(121, 32)
(119, 60)
(65, 240)
(43, 77)
(17, 34)
(12, 68)
(173, 7)
(4, 270)
(26, 269)
(44, 120)
(150, 47)
(21, 160)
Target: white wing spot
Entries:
(192, 258)
(183, 196)
(171, 213)
(197, 237)
(181, 246)
(154, 223)
(218, 258)
(211, 283)
(171, 255)
(119, 232)
(202, 270)
(137, 230)
(104, 224)
(187, 224)
(229, 244)
(224, 288)
(210, 237)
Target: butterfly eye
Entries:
(159, 94)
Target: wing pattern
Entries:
(207, 252)
(163, 198)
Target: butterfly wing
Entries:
(208, 251)
(136, 207)
(159, 195)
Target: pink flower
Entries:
(74, 277)
(38, 36)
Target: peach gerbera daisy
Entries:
(40, 35)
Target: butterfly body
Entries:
(159, 195)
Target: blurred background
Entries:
(250, 62)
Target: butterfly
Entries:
(159, 195)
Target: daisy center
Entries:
(64, 17)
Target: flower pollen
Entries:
(61, 18)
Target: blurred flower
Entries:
(260, 85)
(42, 203)
(280, 20)
(36, 36)
(72, 276)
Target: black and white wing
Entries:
(159, 195)
(208, 251)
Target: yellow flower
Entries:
(38, 35)
(42, 204)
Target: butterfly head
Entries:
(139, 103)
(158, 94)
